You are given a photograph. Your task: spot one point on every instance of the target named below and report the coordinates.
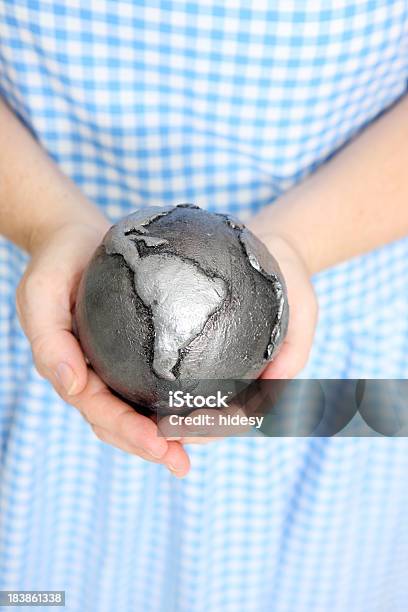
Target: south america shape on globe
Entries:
(179, 293)
(169, 286)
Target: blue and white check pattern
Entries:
(226, 104)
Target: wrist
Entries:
(281, 235)
(80, 213)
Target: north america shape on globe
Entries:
(179, 293)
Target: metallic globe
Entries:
(179, 294)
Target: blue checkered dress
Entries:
(226, 104)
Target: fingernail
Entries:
(175, 471)
(66, 376)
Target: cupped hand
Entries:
(45, 299)
(303, 309)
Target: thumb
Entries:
(44, 309)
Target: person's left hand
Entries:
(303, 309)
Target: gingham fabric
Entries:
(226, 104)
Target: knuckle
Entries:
(37, 343)
(20, 297)
(38, 348)
(19, 310)
(99, 433)
(121, 423)
(28, 287)
(29, 284)
(86, 413)
(39, 283)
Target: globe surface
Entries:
(175, 297)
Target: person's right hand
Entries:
(45, 299)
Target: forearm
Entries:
(35, 197)
(354, 203)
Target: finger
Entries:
(175, 459)
(128, 446)
(44, 309)
(125, 428)
(290, 360)
(282, 366)
(104, 410)
(294, 352)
